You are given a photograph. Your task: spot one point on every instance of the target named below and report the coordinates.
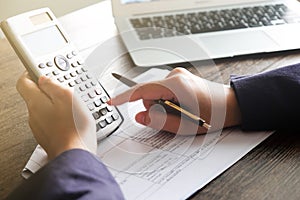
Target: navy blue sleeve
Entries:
(269, 100)
(75, 174)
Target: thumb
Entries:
(156, 117)
(53, 89)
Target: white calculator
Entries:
(45, 49)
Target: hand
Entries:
(215, 103)
(57, 119)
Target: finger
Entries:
(28, 89)
(85, 126)
(36, 128)
(178, 70)
(53, 89)
(168, 122)
(147, 91)
(148, 103)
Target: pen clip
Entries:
(173, 108)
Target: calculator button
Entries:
(91, 106)
(92, 95)
(115, 116)
(104, 99)
(79, 62)
(74, 53)
(82, 88)
(98, 103)
(42, 66)
(69, 56)
(88, 85)
(67, 76)
(79, 71)
(89, 76)
(102, 124)
(83, 78)
(109, 108)
(73, 74)
(62, 63)
(85, 98)
(74, 65)
(103, 111)
(84, 69)
(49, 64)
(109, 120)
(94, 83)
(71, 84)
(96, 115)
(98, 91)
(78, 81)
(61, 79)
(55, 73)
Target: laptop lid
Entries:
(233, 42)
(136, 7)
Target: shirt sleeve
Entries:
(269, 100)
(75, 174)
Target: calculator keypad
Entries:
(70, 71)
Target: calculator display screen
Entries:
(40, 18)
(135, 1)
(45, 41)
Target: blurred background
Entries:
(10, 8)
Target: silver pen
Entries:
(168, 105)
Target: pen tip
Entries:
(115, 75)
(207, 126)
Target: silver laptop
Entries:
(161, 32)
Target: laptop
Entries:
(162, 32)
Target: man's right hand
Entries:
(216, 103)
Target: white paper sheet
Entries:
(157, 165)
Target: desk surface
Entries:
(270, 171)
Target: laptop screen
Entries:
(138, 1)
(146, 1)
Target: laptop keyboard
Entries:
(211, 21)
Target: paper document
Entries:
(149, 164)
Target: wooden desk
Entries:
(270, 171)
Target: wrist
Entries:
(56, 150)
(233, 113)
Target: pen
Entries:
(168, 105)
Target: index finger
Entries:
(145, 91)
(28, 89)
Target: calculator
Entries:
(45, 49)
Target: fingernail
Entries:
(147, 120)
(141, 118)
(42, 79)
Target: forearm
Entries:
(269, 100)
(75, 174)
(233, 113)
